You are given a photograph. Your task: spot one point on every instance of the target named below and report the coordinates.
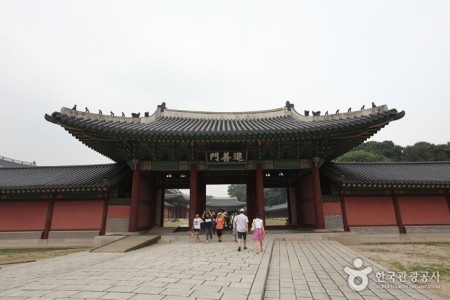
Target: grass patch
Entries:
(275, 222)
(440, 244)
(377, 250)
(176, 223)
(17, 255)
(444, 271)
(9, 251)
(398, 266)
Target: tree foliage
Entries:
(388, 151)
(362, 156)
(272, 196)
(239, 191)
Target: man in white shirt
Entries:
(240, 223)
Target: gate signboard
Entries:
(226, 157)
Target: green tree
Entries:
(440, 152)
(273, 196)
(421, 151)
(239, 191)
(387, 149)
(361, 156)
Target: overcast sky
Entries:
(218, 56)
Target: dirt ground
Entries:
(431, 257)
(10, 257)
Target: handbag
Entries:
(253, 226)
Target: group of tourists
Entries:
(237, 221)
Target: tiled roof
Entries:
(405, 174)
(61, 177)
(176, 198)
(222, 202)
(147, 138)
(13, 163)
(176, 123)
(276, 207)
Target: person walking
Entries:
(196, 226)
(241, 227)
(207, 224)
(220, 221)
(259, 233)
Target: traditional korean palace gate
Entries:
(187, 149)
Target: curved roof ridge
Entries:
(163, 112)
(6, 162)
(259, 114)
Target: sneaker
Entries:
(239, 249)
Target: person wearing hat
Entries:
(241, 226)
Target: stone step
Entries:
(128, 243)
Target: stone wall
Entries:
(376, 229)
(117, 224)
(428, 229)
(22, 235)
(334, 222)
(85, 234)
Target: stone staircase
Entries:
(127, 243)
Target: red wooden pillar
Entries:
(193, 194)
(135, 194)
(398, 214)
(260, 192)
(320, 219)
(448, 200)
(160, 195)
(251, 196)
(289, 206)
(153, 203)
(104, 216)
(201, 194)
(48, 221)
(344, 212)
(298, 202)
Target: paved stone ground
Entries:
(183, 270)
(315, 270)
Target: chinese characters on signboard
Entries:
(226, 157)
